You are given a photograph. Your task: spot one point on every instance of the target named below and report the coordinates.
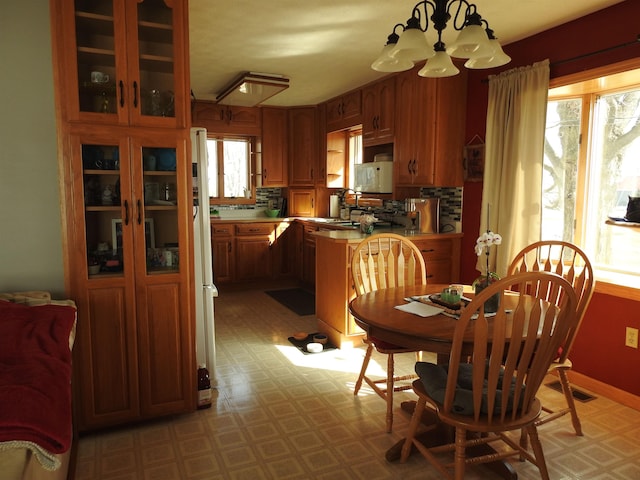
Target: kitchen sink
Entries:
(333, 221)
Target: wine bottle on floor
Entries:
(204, 387)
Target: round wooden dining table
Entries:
(376, 314)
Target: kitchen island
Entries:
(334, 282)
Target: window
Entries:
(230, 168)
(591, 167)
(355, 154)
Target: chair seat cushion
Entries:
(434, 378)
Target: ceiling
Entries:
(325, 47)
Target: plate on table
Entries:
(437, 299)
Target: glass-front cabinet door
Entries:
(131, 205)
(126, 69)
(157, 192)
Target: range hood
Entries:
(252, 88)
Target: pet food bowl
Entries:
(314, 347)
(320, 338)
(300, 335)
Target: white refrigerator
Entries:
(206, 291)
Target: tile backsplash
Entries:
(450, 205)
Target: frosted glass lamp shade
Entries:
(472, 42)
(498, 58)
(412, 45)
(387, 63)
(440, 65)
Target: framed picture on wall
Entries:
(474, 162)
(116, 234)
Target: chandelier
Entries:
(476, 41)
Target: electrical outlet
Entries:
(631, 338)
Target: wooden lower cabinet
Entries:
(134, 355)
(334, 281)
(288, 250)
(334, 291)
(309, 255)
(223, 253)
(254, 251)
(442, 258)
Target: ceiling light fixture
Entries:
(476, 41)
(251, 88)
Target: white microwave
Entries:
(374, 177)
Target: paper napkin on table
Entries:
(421, 309)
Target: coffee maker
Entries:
(425, 212)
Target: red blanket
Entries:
(35, 375)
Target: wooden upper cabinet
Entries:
(274, 147)
(450, 122)
(230, 119)
(303, 150)
(378, 116)
(413, 148)
(302, 202)
(430, 123)
(124, 62)
(337, 161)
(344, 111)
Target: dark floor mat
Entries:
(577, 394)
(297, 300)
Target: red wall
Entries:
(599, 351)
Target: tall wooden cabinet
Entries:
(274, 147)
(430, 116)
(303, 150)
(123, 126)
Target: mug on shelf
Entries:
(99, 77)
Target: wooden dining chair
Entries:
(496, 391)
(382, 261)
(569, 261)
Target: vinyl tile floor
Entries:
(279, 414)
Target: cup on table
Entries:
(450, 295)
(459, 288)
(99, 77)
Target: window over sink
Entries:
(231, 168)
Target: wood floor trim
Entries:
(605, 390)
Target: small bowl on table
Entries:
(272, 213)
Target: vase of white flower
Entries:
(366, 222)
(483, 245)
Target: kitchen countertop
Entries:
(335, 230)
(355, 236)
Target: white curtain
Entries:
(512, 189)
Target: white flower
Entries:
(367, 219)
(485, 241)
